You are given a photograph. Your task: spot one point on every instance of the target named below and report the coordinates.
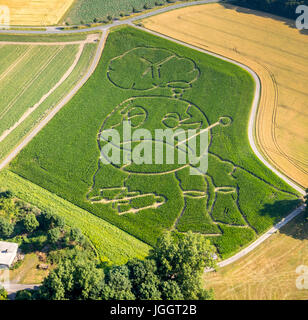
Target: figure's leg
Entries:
(225, 208)
(239, 190)
(197, 192)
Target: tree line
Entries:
(33, 229)
(172, 271)
(284, 8)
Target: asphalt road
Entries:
(13, 288)
(55, 30)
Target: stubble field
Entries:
(269, 272)
(276, 52)
(36, 13)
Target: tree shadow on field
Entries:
(289, 22)
(296, 228)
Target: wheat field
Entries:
(36, 13)
(277, 52)
(270, 272)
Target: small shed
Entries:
(8, 252)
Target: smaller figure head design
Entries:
(145, 69)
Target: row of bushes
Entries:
(110, 17)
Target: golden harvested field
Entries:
(36, 13)
(277, 52)
(269, 272)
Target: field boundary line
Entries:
(60, 105)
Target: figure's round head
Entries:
(151, 118)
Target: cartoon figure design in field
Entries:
(162, 77)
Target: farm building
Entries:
(8, 252)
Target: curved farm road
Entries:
(252, 120)
(254, 109)
(55, 30)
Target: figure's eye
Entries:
(136, 115)
(171, 120)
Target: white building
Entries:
(8, 252)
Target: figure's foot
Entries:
(125, 202)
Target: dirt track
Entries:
(276, 52)
(90, 39)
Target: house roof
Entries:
(8, 252)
